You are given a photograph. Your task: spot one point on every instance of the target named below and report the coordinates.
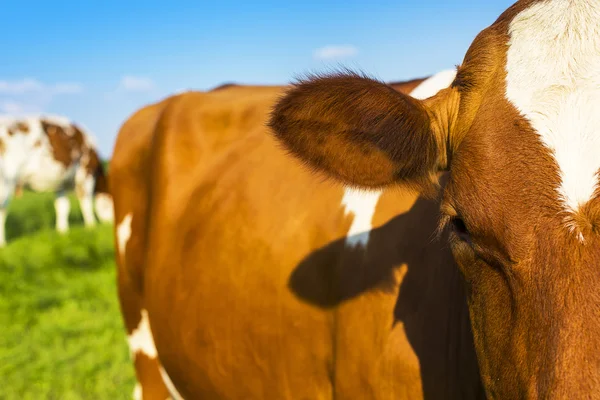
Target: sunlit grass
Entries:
(61, 331)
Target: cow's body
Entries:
(261, 280)
(51, 154)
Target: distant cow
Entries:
(244, 276)
(52, 154)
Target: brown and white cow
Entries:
(244, 276)
(52, 154)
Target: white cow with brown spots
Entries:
(52, 154)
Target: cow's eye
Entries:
(459, 228)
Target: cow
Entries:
(50, 153)
(241, 274)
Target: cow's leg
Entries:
(18, 191)
(104, 207)
(2, 227)
(139, 336)
(84, 188)
(7, 189)
(62, 207)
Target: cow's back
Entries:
(254, 290)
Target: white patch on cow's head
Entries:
(104, 207)
(141, 340)
(124, 233)
(430, 86)
(362, 206)
(169, 384)
(553, 79)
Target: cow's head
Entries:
(519, 132)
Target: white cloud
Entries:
(67, 88)
(335, 52)
(20, 87)
(12, 107)
(30, 85)
(131, 83)
(29, 95)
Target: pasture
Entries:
(62, 335)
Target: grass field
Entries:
(61, 331)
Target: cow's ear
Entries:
(360, 131)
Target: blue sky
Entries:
(99, 61)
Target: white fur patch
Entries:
(169, 384)
(553, 79)
(362, 205)
(124, 233)
(434, 84)
(141, 340)
(137, 392)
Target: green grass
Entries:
(61, 334)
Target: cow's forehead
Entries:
(543, 58)
(553, 79)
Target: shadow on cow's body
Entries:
(429, 307)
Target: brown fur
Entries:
(18, 127)
(61, 141)
(238, 255)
